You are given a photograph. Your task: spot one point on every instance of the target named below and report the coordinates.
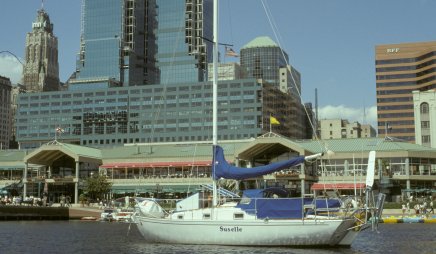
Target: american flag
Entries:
(231, 52)
(59, 130)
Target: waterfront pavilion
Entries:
(158, 168)
(179, 168)
(61, 166)
(11, 171)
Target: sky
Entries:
(331, 43)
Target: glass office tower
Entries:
(262, 58)
(136, 42)
(99, 57)
(184, 40)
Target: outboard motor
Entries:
(379, 210)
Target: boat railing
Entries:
(302, 208)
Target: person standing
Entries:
(68, 201)
(403, 208)
(62, 201)
(431, 207)
(416, 207)
(424, 205)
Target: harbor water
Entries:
(109, 237)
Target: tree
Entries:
(97, 186)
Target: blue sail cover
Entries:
(222, 169)
(259, 202)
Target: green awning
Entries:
(132, 189)
(12, 167)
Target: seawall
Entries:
(33, 213)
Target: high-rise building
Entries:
(263, 59)
(184, 40)
(41, 67)
(136, 42)
(5, 112)
(112, 50)
(401, 69)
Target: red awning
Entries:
(337, 186)
(155, 164)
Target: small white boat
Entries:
(89, 218)
(117, 214)
(123, 214)
(107, 214)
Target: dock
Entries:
(47, 213)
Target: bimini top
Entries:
(272, 203)
(222, 169)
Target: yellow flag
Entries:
(273, 120)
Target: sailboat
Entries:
(262, 217)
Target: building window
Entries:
(424, 108)
(425, 124)
(425, 139)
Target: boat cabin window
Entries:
(180, 217)
(245, 200)
(238, 216)
(206, 216)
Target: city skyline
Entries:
(331, 43)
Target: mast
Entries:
(215, 95)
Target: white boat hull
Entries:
(249, 233)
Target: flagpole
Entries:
(270, 125)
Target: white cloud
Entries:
(367, 115)
(11, 68)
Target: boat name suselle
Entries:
(232, 229)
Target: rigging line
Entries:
(274, 29)
(231, 28)
(230, 20)
(12, 54)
